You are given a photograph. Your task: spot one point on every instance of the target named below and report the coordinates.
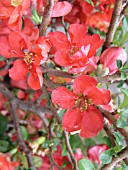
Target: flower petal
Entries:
(59, 40)
(61, 9)
(99, 96)
(19, 70)
(71, 120)
(83, 83)
(35, 80)
(76, 32)
(63, 97)
(62, 58)
(92, 122)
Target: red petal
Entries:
(61, 9)
(71, 120)
(92, 122)
(17, 44)
(99, 96)
(109, 57)
(63, 97)
(35, 80)
(83, 83)
(19, 70)
(96, 43)
(62, 58)
(5, 49)
(59, 40)
(76, 32)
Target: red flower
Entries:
(109, 56)
(5, 164)
(32, 56)
(81, 114)
(13, 11)
(94, 152)
(74, 53)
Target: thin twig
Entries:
(113, 24)
(46, 17)
(110, 132)
(22, 144)
(70, 150)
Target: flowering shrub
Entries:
(63, 84)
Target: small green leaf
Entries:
(121, 122)
(125, 112)
(24, 132)
(125, 23)
(90, 2)
(108, 141)
(125, 101)
(123, 76)
(106, 156)
(119, 138)
(125, 67)
(119, 63)
(85, 164)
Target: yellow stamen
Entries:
(16, 3)
(28, 58)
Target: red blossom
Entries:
(74, 53)
(5, 164)
(81, 114)
(32, 53)
(94, 152)
(13, 11)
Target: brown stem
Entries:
(22, 144)
(46, 17)
(122, 155)
(113, 24)
(70, 150)
(110, 132)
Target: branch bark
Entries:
(46, 17)
(122, 155)
(22, 144)
(113, 24)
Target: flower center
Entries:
(16, 3)
(73, 50)
(82, 103)
(29, 58)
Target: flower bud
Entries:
(109, 56)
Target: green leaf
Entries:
(3, 124)
(85, 164)
(125, 101)
(108, 141)
(125, 67)
(123, 76)
(24, 132)
(119, 138)
(106, 156)
(90, 2)
(125, 112)
(121, 122)
(125, 23)
(124, 38)
(4, 146)
(119, 63)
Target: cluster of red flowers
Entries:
(25, 52)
